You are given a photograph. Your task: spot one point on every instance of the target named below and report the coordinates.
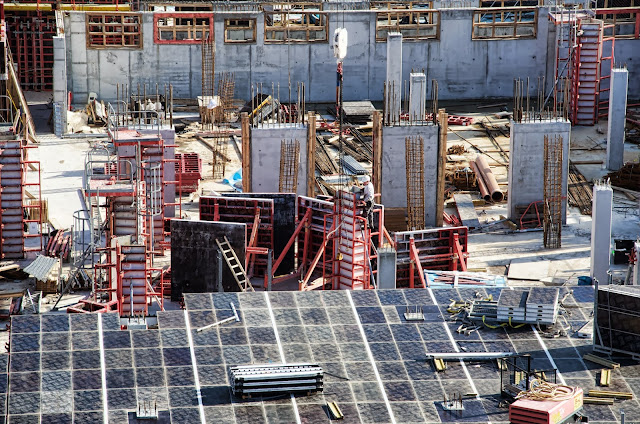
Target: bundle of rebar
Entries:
(552, 192)
(487, 184)
(289, 160)
(414, 155)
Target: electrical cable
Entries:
(542, 390)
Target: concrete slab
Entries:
(526, 269)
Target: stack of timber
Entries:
(580, 191)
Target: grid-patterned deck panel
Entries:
(55, 368)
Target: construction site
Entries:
(319, 211)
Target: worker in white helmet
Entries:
(367, 197)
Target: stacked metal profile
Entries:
(265, 379)
(542, 305)
(512, 305)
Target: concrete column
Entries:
(617, 117)
(394, 75)
(387, 268)
(526, 165)
(636, 267)
(601, 232)
(417, 96)
(60, 84)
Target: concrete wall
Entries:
(60, 78)
(394, 180)
(265, 156)
(526, 167)
(464, 68)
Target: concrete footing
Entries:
(601, 232)
(617, 118)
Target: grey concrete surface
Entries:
(417, 96)
(464, 68)
(601, 232)
(526, 167)
(265, 156)
(636, 267)
(394, 74)
(617, 118)
(394, 181)
(387, 268)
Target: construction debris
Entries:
(580, 191)
(627, 177)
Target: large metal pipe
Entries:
(490, 180)
(481, 184)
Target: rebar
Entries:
(208, 81)
(552, 224)
(289, 160)
(220, 147)
(414, 154)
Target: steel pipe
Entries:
(490, 180)
(481, 184)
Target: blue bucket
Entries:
(585, 280)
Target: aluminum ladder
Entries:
(234, 265)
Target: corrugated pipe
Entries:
(489, 179)
(481, 185)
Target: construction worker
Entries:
(367, 197)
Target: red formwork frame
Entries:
(249, 211)
(31, 41)
(435, 249)
(152, 150)
(14, 168)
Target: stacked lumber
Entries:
(628, 177)
(580, 191)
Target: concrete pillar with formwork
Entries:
(261, 157)
(636, 267)
(394, 77)
(417, 96)
(617, 118)
(601, 216)
(60, 84)
(526, 163)
(387, 268)
(393, 168)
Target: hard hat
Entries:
(367, 178)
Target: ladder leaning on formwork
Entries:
(234, 265)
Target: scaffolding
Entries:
(414, 155)
(289, 160)
(552, 224)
